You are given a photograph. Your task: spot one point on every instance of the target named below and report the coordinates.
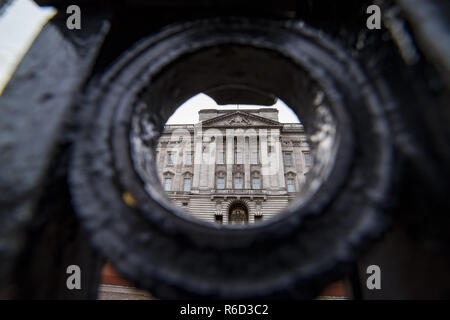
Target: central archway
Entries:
(238, 213)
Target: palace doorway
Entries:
(238, 213)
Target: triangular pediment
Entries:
(239, 119)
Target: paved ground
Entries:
(111, 292)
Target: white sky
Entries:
(187, 113)
(19, 26)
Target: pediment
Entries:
(239, 119)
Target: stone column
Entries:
(273, 159)
(264, 158)
(246, 158)
(279, 152)
(212, 151)
(198, 156)
(204, 165)
(298, 161)
(178, 179)
(230, 157)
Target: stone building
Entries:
(234, 166)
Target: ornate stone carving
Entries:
(218, 209)
(239, 120)
(258, 211)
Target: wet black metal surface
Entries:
(38, 233)
(275, 259)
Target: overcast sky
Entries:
(188, 111)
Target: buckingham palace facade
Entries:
(234, 166)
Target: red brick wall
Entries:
(111, 276)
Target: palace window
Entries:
(220, 183)
(170, 156)
(187, 184)
(238, 157)
(188, 159)
(288, 159)
(221, 158)
(168, 184)
(307, 158)
(256, 183)
(238, 183)
(290, 185)
(254, 158)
